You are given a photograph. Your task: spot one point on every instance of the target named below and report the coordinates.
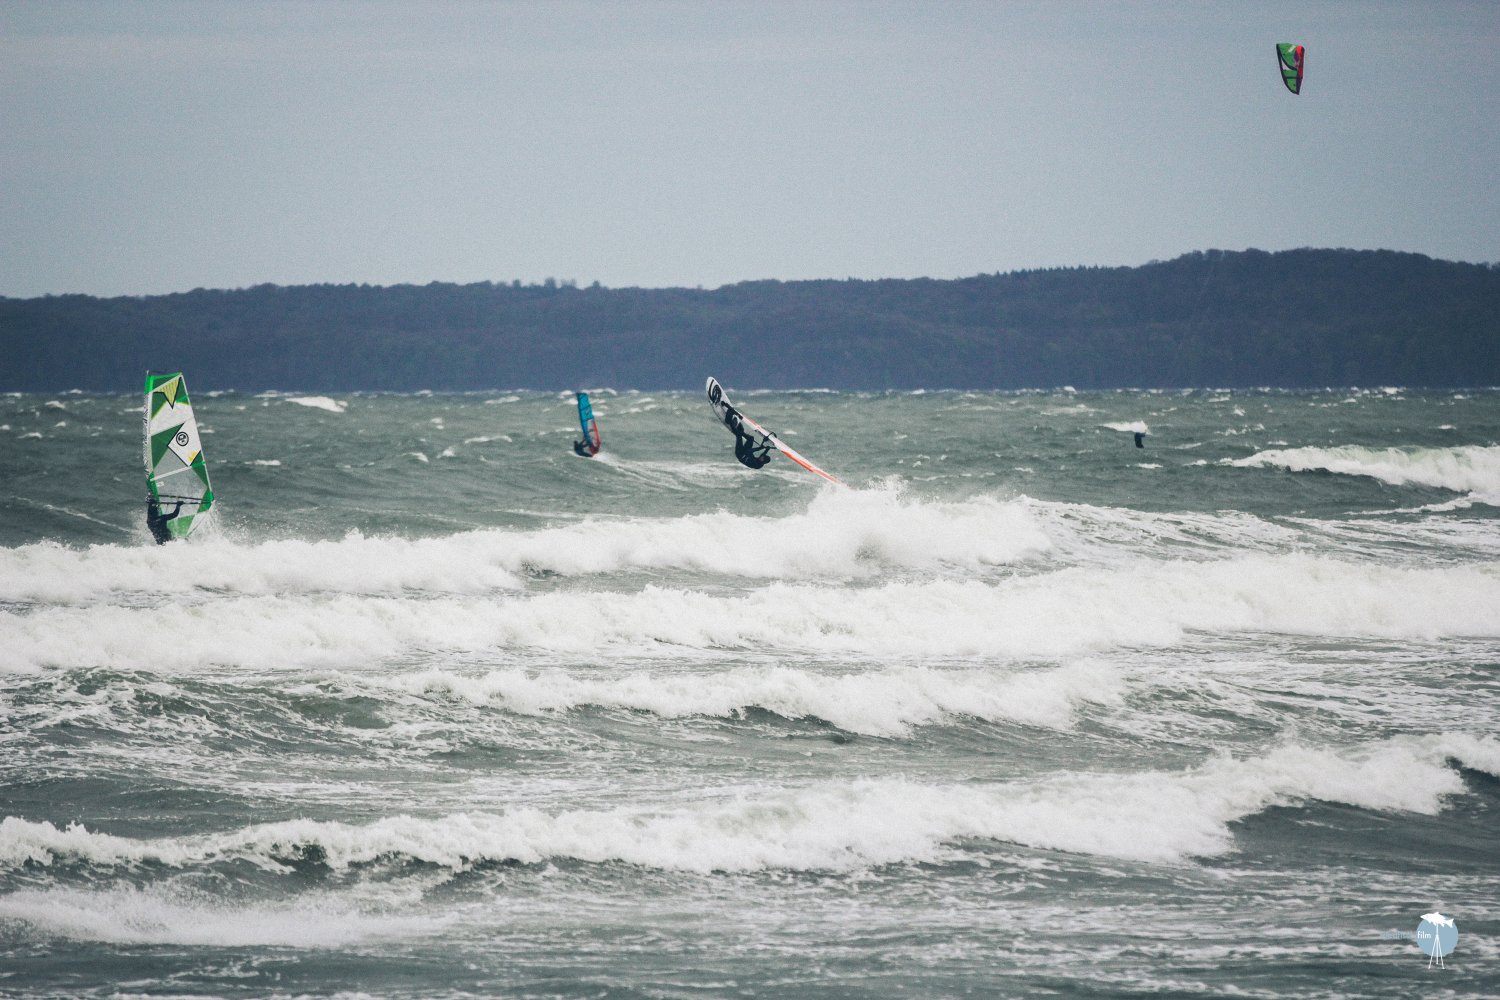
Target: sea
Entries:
(431, 707)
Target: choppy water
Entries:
(437, 709)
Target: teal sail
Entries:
(591, 442)
(178, 496)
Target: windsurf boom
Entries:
(743, 427)
(178, 495)
(591, 442)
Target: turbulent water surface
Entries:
(434, 708)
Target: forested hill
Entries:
(1299, 318)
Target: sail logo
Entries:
(185, 443)
(1437, 936)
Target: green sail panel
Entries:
(1292, 57)
(177, 486)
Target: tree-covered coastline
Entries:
(1295, 319)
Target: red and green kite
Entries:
(1290, 56)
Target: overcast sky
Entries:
(156, 147)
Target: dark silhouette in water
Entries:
(749, 453)
(156, 521)
(1140, 439)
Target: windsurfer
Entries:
(749, 453)
(746, 449)
(580, 448)
(156, 521)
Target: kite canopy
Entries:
(1290, 56)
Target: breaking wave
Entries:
(1156, 817)
(1473, 469)
(843, 534)
(1070, 612)
(887, 703)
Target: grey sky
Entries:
(161, 147)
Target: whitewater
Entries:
(432, 707)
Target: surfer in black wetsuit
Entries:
(1140, 439)
(580, 449)
(746, 449)
(157, 521)
(749, 453)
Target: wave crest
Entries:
(1067, 613)
(1473, 469)
(1157, 817)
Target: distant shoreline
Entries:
(1298, 319)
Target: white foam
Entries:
(1473, 468)
(1131, 427)
(1083, 533)
(1155, 816)
(51, 573)
(883, 703)
(1067, 613)
(129, 916)
(843, 534)
(319, 403)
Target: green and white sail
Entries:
(176, 478)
